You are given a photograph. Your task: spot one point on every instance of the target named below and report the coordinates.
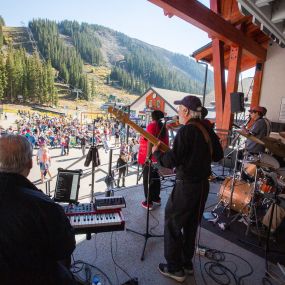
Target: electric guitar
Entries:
(124, 118)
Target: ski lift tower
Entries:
(77, 91)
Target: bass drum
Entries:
(241, 194)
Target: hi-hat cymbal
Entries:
(250, 137)
(258, 163)
(275, 146)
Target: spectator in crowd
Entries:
(83, 144)
(44, 161)
(67, 141)
(122, 168)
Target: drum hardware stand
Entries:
(232, 184)
(228, 205)
(252, 210)
(146, 235)
(236, 139)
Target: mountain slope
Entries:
(135, 65)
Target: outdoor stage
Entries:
(105, 250)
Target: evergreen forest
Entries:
(63, 48)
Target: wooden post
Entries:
(219, 79)
(257, 84)
(232, 85)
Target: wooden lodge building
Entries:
(158, 99)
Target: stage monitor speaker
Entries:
(237, 102)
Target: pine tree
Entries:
(3, 76)
(93, 88)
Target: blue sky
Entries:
(136, 18)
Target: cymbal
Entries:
(275, 146)
(258, 163)
(250, 137)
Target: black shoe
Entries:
(188, 268)
(179, 275)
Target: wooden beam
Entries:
(232, 85)
(207, 52)
(219, 79)
(202, 17)
(215, 6)
(257, 85)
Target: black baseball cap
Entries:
(191, 102)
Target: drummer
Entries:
(259, 128)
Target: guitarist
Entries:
(150, 174)
(194, 147)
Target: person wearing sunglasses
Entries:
(259, 128)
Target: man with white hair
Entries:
(194, 147)
(36, 238)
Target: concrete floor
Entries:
(124, 248)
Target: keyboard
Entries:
(107, 203)
(85, 218)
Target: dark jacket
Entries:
(35, 235)
(259, 129)
(191, 153)
(121, 162)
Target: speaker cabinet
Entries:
(237, 102)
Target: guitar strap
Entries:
(205, 134)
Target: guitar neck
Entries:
(121, 116)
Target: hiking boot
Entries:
(188, 268)
(157, 202)
(179, 275)
(145, 205)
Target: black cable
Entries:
(116, 264)
(220, 273)
(250, 266)
(93, 266)
(214, 269)
(118, 281)
(88, 274)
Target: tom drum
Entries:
(241, 194)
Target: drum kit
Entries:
(247, 192)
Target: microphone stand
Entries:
(146, 235)
(93, 165)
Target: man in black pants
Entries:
(195, 145)
(36, 238)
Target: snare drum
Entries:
(249, 171)
(241, 194)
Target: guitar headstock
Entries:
(120, 115)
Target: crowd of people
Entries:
(45, 133)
